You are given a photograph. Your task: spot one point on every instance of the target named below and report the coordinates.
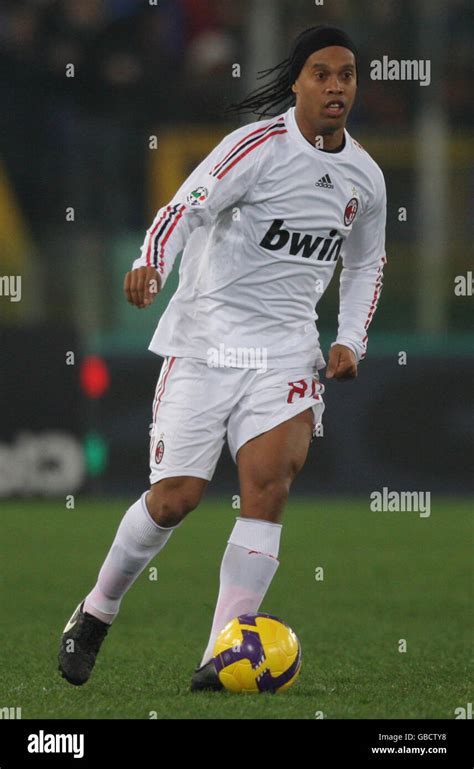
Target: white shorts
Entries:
(196, 406)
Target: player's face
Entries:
(326, 88)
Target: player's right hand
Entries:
(141, 286)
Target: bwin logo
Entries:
(326, 249)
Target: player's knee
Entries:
(274, 494)
(168, 503)
(170, 509)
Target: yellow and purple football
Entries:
(257, 653)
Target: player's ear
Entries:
(294, 88)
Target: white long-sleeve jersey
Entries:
(261, 223)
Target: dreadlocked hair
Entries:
(269, 99)
(277, 95)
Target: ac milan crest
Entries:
(160, 450)
(350, 212)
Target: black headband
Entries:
(312, 40)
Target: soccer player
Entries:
(261, 224)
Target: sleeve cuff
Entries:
(358, 350)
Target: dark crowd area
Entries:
(140, 65)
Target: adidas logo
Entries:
(325, 182)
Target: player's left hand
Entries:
(342, 363)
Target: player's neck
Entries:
(333, 141)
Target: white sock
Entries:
(137, 541)
(248, 567)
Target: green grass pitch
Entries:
(387, 576)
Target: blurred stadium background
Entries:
(165, 70)
(112, 143)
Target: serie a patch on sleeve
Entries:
(198, 196)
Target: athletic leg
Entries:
(267, 466)
(138, 540)
(143, 532)
(185, 446)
